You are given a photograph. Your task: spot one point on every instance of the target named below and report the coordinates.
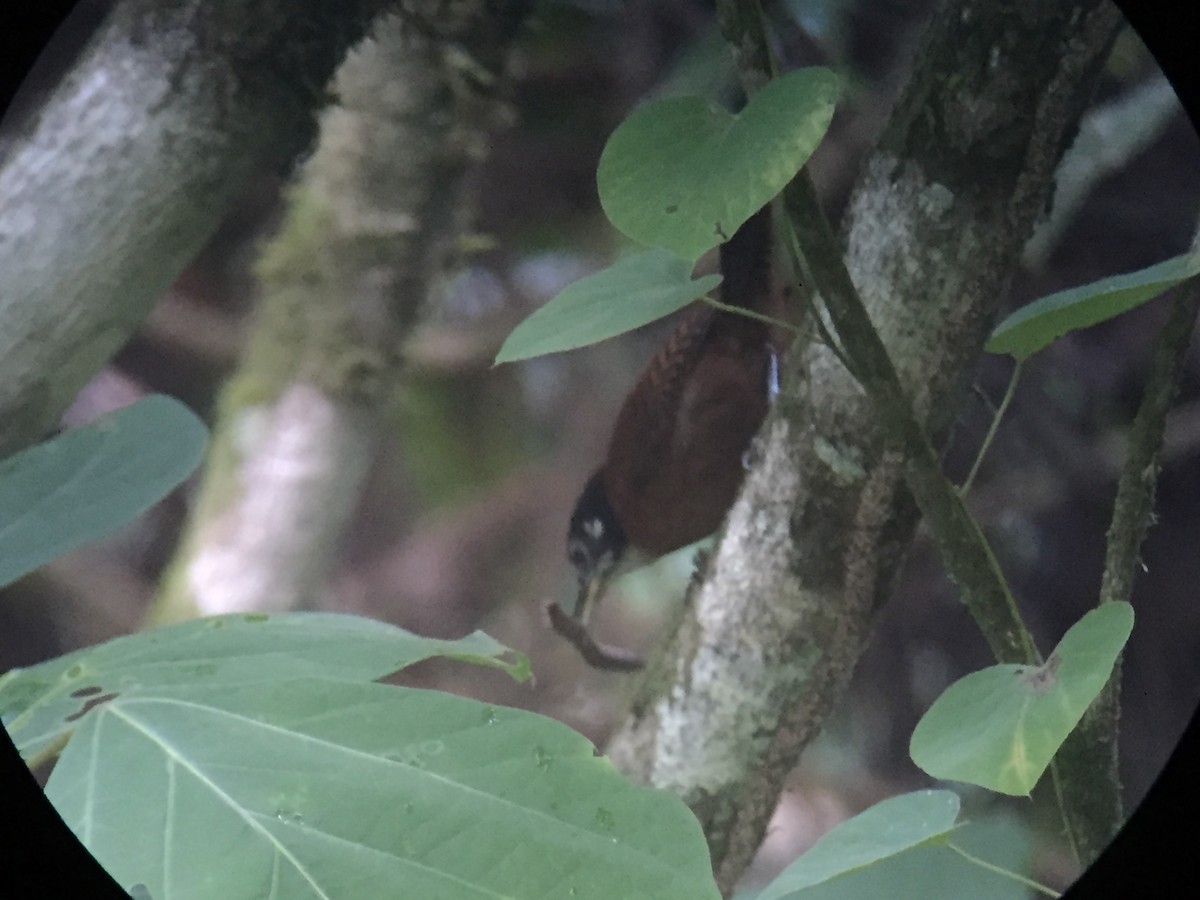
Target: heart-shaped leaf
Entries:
(685, 175)
(321, 788)
(45, 702)
(628, 294)
(885, 829)
(933, 870)
(1038, 324)
(86, 483)
(1000, 727)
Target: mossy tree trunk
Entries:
(370, 222)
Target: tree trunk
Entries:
(369, 224)
(118, 180)
(933, 232)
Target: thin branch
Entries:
(1133, 509)
(1090, 755)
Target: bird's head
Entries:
(596, 544)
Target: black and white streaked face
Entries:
(595, 540)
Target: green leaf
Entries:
(1000, 727)
(83, 484)
(933, 871)
(628, 294)
(45, 702)
(317, 788)
(887, 828)
(1034, 326)
(684, 174)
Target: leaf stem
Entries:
(992, 429)
(1007, 873)
(751, 314)
(50, 750)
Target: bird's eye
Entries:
(577, 555)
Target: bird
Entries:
(676, 457)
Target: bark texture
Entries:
(116, 182)
(933, 231)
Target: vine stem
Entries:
(827, 338)
(751, 314)
(1007, 873)
(993, 429)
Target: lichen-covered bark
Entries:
(932, 233)
(370, 222)
(116, 182)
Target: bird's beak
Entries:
(590, 592)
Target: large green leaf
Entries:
(628, 294)
(684, 174)
(1000, 727)
(317, 788)
(88, 482)
(1037, 324)
(934, 871)
(46, 702)
(885, 829)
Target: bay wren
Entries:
(677, 454)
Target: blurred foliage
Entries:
(460, 434)
(484, 463)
